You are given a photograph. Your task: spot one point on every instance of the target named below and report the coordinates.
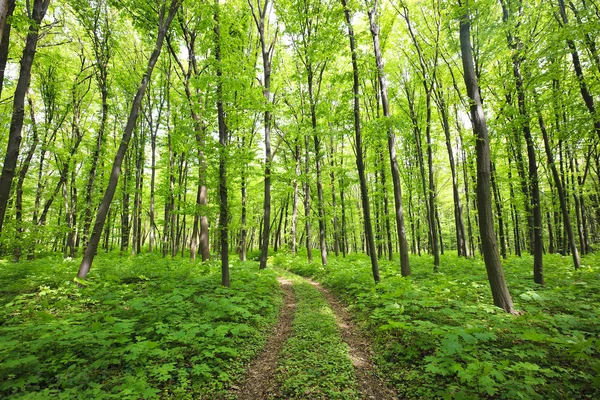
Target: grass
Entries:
(314, 363)
(143, 327)
(438, 335)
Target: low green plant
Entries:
(142, 327)
(314, 362)
(437, 335)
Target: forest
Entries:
(299, 199)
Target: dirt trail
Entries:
(361, 354)
(260, 383)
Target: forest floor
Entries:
(148, 327)
(264, 378)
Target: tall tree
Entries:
(489, 244)
(7, 7)
(166, 14)
(399, 213)
(364, 194)
(260, 13)
(36, 15)
(224, 211)
(518, 57)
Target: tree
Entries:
(364, 194)
(399, 213)
(267, 43)
(224, 211)
(166, 15)
(489, 245)
(36, 14)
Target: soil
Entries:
(261, 383)
(371, 386)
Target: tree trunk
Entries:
(296, 198)
(223, 208)
(499, 211)
(166, 16)
(458, 218)
(336, 244)
(588, 99)
(18, 110)
(359, 150)
(317, 142)
(515, 44)
(307, 198)
(493, 264)
(404, 262)
(22, 175)
(260, 19)
(6, 11)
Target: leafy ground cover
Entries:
(438, 336)
(142, 327)
(314, 362)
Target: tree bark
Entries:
(399, 213)
(223, 208)
(317, 142)
(364, 195)
(260, 18)
(22, 175)
(18, 110)
(165, 18)
(515, 44)
(458, 217)
(493, 264)
(6, 11)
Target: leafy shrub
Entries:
(142, 327)
(439, 336)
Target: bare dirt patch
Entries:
(260, 383)
(360, 351)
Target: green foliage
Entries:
(437, 336)
(314, 361)
(139, 328)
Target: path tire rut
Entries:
(360, 351)
(260, 382)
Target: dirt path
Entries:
(260, 383)
(361, 354)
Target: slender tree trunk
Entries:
(151, 211)
(296, 198)
(515, 44)
(493, 264)
(18, 109)
(588, 99)
(404, 262)
(244, 231)
(21, 179)
(359, 150)
(336, 244)
(223, 208)
(165, 20)
(514, 213)
(344, 233)
(458, 218)
(125, 204)
(499, 211)
(90, 187)
(317, 142)
(6, 12)
(260, 18)
(307, 204)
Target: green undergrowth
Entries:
(439, 336)
(314, 362)
(142, 327)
